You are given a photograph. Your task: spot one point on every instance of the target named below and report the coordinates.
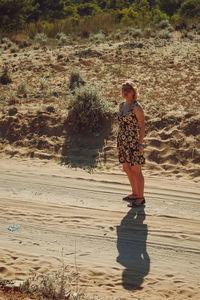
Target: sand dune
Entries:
(121, 253)
(35, 123)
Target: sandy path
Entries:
(145, 253)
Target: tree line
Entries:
(14, 14)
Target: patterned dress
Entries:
(128, 137)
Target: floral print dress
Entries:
(128, 137)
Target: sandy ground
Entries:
(34, 119)
(120, 253)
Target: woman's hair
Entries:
(130, 84)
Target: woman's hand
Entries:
(141, 150)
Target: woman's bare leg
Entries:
(128, 170)
(138, 178)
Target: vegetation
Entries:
(5, 77)
(55, 286)
(84, 17)
(88, 110)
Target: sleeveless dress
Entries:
(128, 137)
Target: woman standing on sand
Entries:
(129, 143)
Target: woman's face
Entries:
(127, 92)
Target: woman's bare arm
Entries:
(140, 117)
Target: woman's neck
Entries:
(130, 101)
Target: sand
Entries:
(34, 119)
(78, 217)
(65, 190)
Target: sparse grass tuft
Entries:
(22, 89)
(43, 83)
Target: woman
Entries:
(129, 143)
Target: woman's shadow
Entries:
(131, 244)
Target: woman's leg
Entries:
(128, 170)
(139, 179)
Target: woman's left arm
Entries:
(140, 117)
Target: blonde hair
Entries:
(134, 89)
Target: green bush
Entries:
(190, 9)
(87, 9)
(158, 16)
(169, 6)
(88, 111)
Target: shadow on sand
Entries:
(83, 150)
(131, 244)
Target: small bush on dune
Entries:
(61, 36)
(22, 89)
(75, 79)
(136, 33)
(164, 34)
(14, 49)
(99, 37)
(5, 40)
(41, 38)
(5, 77)
(164, 24)
(88, 111)
(51, 285)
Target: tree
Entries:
(49, 9)
(190, 8)
(88, 9)
(13, 14)
(169, 6)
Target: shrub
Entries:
(157, 16)
(62, 37)
(51, 285)
(164, 34)
(5, 40)
(88, 111)
(88, 9)
(5, 77)
(118, 34)
(22, 89)
(75, 79)
(164, 24)
(190, 8)
(36, 46)
(149, 32)
(14, 49)
(41, 38)
(136, 33)
(99, 37)
(43, 83)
